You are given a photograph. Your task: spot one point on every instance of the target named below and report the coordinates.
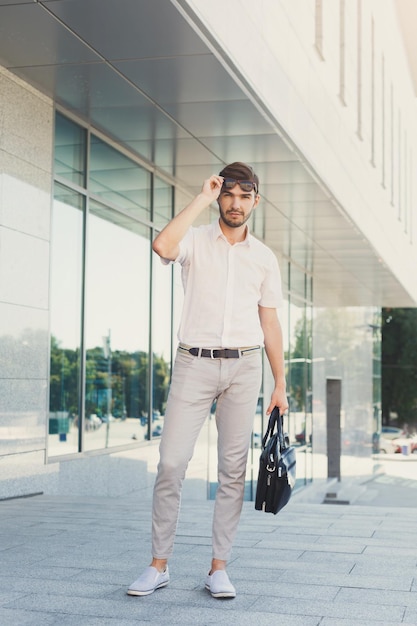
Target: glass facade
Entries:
(116, 328)
(298, 332)
(115, 309)
(66, 319)
(346, 347)
(110, 366)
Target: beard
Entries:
(234, 221)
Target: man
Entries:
(232, 289)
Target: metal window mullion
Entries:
(151, 307)
(82, 377)
(172, 330)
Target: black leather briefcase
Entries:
(277, 466)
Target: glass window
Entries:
(117, 330)
(66, 299)
(161, 340)
(161, 312)
(308, 438)
(297, 364)
(118, 180)
(102, 386)
(297, 282)
(258, 222)
(297, 384)
(70, 150)
(162, 202)
(299, 371)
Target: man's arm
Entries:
(166, 244)
(275, 352)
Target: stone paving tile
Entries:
(86, 607)
(374, 541)
(218, 615)
(328, 609)
(336, 531)
(289, 590)
(280, 538)
(338, 560)
(354, 622)
(37, 571)
(400, 551)
(366, 557)
(28, 532)
(195, 596)
(190, 558)
(397, 525)
(378, 597)
(240, 567)
(8, 541)
(392, 583)
(380, 565)
(321, 546)
(28, 558)
(113, 577)
(77, 620)
(100, 561)
(28, 618)
(410, 616)
(58, 587)
(268, 560)
(198, 538)
(391, 539)
(8, 596)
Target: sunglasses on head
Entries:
(245, 185)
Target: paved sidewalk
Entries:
(69, 560)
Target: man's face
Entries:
(236, 206)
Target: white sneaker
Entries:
(150, 580)
(219, 585)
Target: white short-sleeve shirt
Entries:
(223, 286)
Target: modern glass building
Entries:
(112, 113)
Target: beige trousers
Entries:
(196, 383)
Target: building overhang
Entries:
(146, 76)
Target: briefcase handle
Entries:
(276, 419)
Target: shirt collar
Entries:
(217, 232)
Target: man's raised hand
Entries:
(212, 187)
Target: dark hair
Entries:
(240, 171)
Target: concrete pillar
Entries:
(333, 405)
